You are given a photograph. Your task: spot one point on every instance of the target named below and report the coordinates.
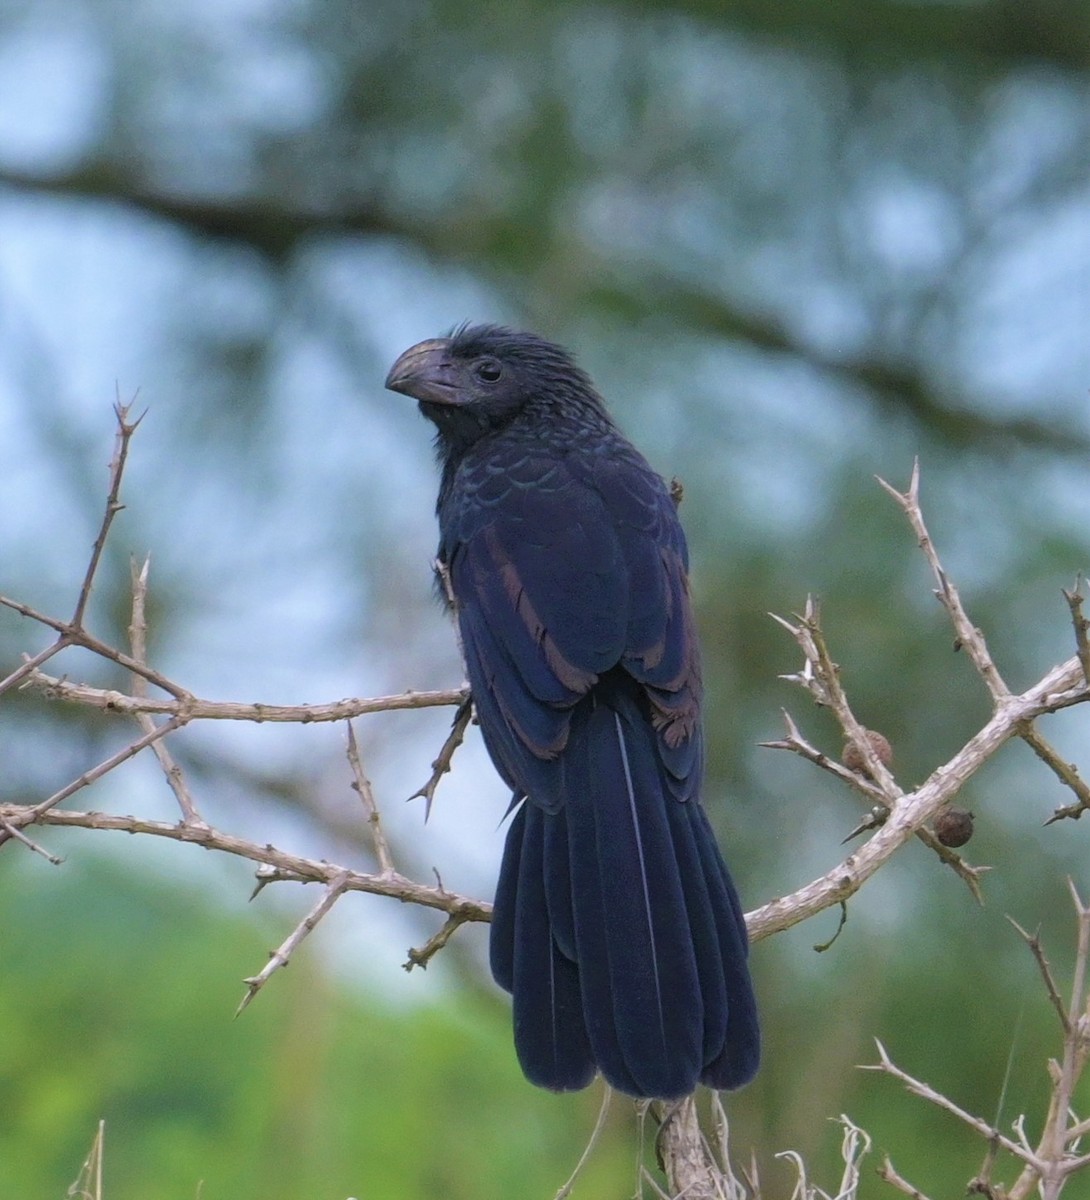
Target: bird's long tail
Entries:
(617, 928)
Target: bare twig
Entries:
(821, 947)
(967, 873)
(1066, 772)
(125, 430)
(362, 786)
(918, 1088)
(795, 742)
(1063, 686)
(287, 865)
(30, 663)
(968, 636)
(1053, 1143)
(1074, 598)
(138, 631)
(73, 636)
(281, 956)
(1033, 941)
(12, 832)
(444, 759)
(888, 1174)
(821, 677)
(72, 632)
(23, 815)
(421, 957)
(196, 709)
(1059, 688)
(1048, 1165)
(981, 1183)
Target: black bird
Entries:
(616, 927)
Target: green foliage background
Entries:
(797, 245)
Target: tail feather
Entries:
(588, 907)
(501, 933)
(558, 885)
(641, 990)
(740, 1057)
(550, 1032)
(704, 918)
(617, 928)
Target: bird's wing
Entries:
(661, 648)
(564, 569)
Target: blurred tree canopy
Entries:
(796, 244)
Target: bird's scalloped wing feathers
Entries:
(557, 557)
(541, 589)
(661, 648)
(562, 571)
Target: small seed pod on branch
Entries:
(852, 756)
(954, 827)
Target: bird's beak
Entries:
(426, 373)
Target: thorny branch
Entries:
(192, 708)
(888, 1174)
(125, 430)
(908, 812)
(969, 638)
(444, 759)
(281, 956)
(1013, 716)
(362, 786)
(421, 957)
(1047, 1166)
(821, 677)
(1074, 598)
(179, 708)
(1045, 967)
(279, 865)
(138, 633)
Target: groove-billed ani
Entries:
(616, 926)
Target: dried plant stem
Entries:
(1066, 772)
(918, 1088)
(595, 1134)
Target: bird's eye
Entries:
(488, 370)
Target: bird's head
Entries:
(483, 376)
